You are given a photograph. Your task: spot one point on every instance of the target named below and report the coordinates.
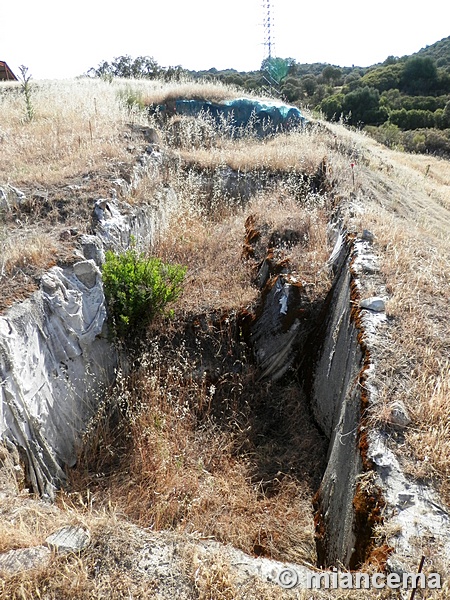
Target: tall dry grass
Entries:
(404, 199)
(297, 152)
(79, 125)
(77, 128)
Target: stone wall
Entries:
(55, 355)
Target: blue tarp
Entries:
(267, 116)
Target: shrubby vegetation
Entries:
(142, 67)
(138, 288)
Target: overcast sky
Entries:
(57, 39)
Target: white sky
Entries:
(57, 39)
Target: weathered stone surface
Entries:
(399, 415)
(55, 356)
(275, 332)
(55, 360)
(118, 223)
(373, 303)
(87, 272)
(92, 249)
(22, 559)
(69, 539)
(367, 236)
(416, 511)
(336, 404)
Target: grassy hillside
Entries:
(216, 453)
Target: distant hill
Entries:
(439, 52)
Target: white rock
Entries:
(69, 539)
(373, 303)
(22, 559)
(367, 236)
(87, 272)
(399, 416)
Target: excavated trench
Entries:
(319, 344)
(312, 349)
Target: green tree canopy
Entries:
(419, 76)
(141, 67)
(363, 106)
(331, 74)
(332, 107)
(384, 78)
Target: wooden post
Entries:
(413, 592)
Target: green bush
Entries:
(137, 288)
(388, 134)
(362, 106)
(132, 99)
(412, 119)
(332, 107)
(383, 78)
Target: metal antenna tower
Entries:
(270, 85)
(269, 44)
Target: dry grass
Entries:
(38, 250)
(113, 567)
(296, 152)
(405, 201)
(160, 92)
(279, 216)
(27, 523)
(79, 125)
(198, 447)
(210, 251)
(77, 128)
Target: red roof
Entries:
(6, 73)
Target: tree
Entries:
(384, 78)
(352, 81)
(391, 60)
(142, 67)
(419, 76)
(331, 74)
(277, 67)
(332, 107)
(309, 84)
(363, 106)
(412, 119)
(291, 89)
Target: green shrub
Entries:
(137, 288)
(132, 99)
(26, 86)
(412, 119)
(363, 106)
(332, 107)
(388, 134)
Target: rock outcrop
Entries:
(56, 359)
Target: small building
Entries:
(5, 72)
